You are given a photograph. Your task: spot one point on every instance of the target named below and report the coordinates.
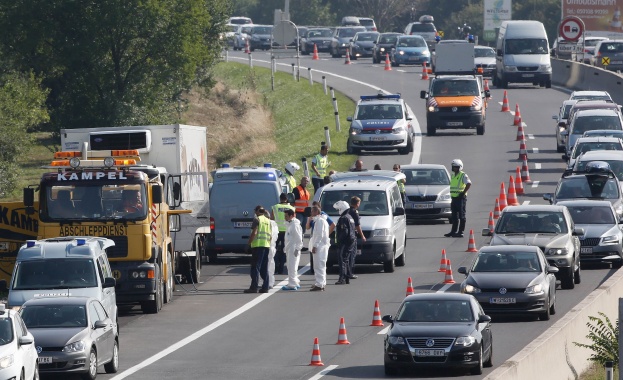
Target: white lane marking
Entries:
(525, 203)
(535, 184)
(323, 372)
(537, 165)
(402, 71)
(384, 331)
(199, 333)
(530, 136)
(512, 112)
(444, 288)
(535, 150)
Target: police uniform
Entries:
(458, 184)
(322, 164)
(280, 218)
(259, 249)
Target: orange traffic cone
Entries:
(502, 198)
(424, 71)
(247, 50)
(496, 209)
(517, 120)
(376, 317)
(505, 107)
(315, 56)
(388, 65)
(525, 172)
(523, 150)
(518, 183)
(315, 360)
(341, 337)
(448, 279)
(520, 131)
(347, 61)
(471, 245)
(512, 194)
(410, 290)
(491, 224)
(444, 262)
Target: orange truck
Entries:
(16, 226)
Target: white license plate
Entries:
(242, 224)
(430, 353)
(454, 123)
(377, 138)
(414, 58)
(616, 62)
(586, 250)
(422, 205)
(527, 75)
(45, 360)
(503, 300)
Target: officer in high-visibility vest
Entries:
(459, 185)
(320, 165)
(279, 216)
(259, 242)
(290, 169)
(401, 185)
(301, 200)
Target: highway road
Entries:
(217, 332)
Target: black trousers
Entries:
(280, 255)
(318, 183)
(346, 254)
(458, 206)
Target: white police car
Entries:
(18, 355)
(381, 122)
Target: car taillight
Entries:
(211, 223)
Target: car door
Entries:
(100, 336)
(399, 222)
(109, 298)
(484, 328)
(109, 330)
(27, 351)
(551, 278)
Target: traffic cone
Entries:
(315, 56)
(388, 65)
(523, 152)
(491, 224)
(376, 317)
(341, 337)
(448, 279)
(520, 131)
(444, 262)
(315, 360)
(471, 245)
(247, 50)
(347, 61)
(424, 72)
(502, 198)
(410, 290)
(525, 172)
(518, 183)
(505, 107)
(517, 120)
(496, 209)
(512, 194)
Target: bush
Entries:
(605, 338)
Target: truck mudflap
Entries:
(15, 228)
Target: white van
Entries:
(64, 267)
(522, 54)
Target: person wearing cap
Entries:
(355, 202)
(346, 240)
(319, 243)
(459, 185)
(259, 244)
(293, 244)
(320, 165)
(278, 215)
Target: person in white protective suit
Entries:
(293, 244)
(319, 244)
(274, 234)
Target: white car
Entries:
(18, 355)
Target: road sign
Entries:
(285, 33)
(440, 33)
(571, 28)
(605, 61)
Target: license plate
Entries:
(503, 300)
(377, 138)
(430, 353)
(454, 123)
(242, 224)
(414, 58)
(527, 75)
(422, 205)
(616, 62)
(45, 360)
(586, 250)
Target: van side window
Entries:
(396, 198)
(100, 270)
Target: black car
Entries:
(340, 43)
(321, 37)
(439, 330)
(261, 37)
(362, 44)
(384, 44)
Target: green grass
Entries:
(596, 372)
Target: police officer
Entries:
(459, 185)
(259, 242)
(320, 165)
(290, 169)
(346, 240)
(279, 216)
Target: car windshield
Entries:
(315, 33)
(435, 311)
(423, 28)
(591, 97)
(234, 197)
(566, 110)
(366, 22)
(582, 124)
(426, 177)
(262, 30)
(527, 46)
(6, 331)
(379, 111)
(480, 53)
(455, 88)
(507, 262)
(531, 222)
(611, 47)
(239, 21)
(349, 32)
(388, 39)
(366, 36)
(615, 165)
(54, 316)
(246, 29)
(411, 42)
(591, 214)
(602, 133)
(373, 203)
(591, 42)
(54, 274)
(583, 147)
(597, 187)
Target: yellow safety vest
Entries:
(262, 238)
(322, 163)
(291, 181)
(280, 215)
(401, 186)
(457, 185)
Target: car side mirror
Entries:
(484, 318)
(99, 325)
(578, 231)
(399, 211)
(109, 282)
(24, 340)
(349, 118)
(388, 318)
(462, 270)
(547, 197)
(552, 269)
(409, 118)
(423, 94)
(486, 232)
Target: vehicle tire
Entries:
(548, 83)
(504, 83)
(168, 284)
(560, 149)
(617, 264)
(401, 260)
(430, 130)
(494, 79)
(389, 265)
(552, 309)
(153, 307)
(113, 365)
(480, 130)
(36, 375)
(477, 370)
(404, 150)
(568, 282)
(92, 372)
(489, 362)
(212, 257)
(390, 371)
(545, 315)
(353, 57)
(410, 145)
(374, 60)
(578, 275)
(195, 269)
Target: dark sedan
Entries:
(321, 37)
(439, 330)
(512, 279)
(340, 43)
(384, 44)
(362, 44)
(72, 335)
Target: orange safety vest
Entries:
(303, 202)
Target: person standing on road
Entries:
(259, 244)
(274, 235)
(278, 215)
(346, 240)
(310, 226)
(301, 201)
(320, 165)
(459, 185)
(319, 244)
(355, 202)
(401, 185)
(293, 244)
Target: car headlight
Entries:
(619, 209)
(75, 347)
(613, 239)
(534, 289)
(396, 340)
(6, 361)
(471, 289)
(476, 107)
(557, 251)
(401, 52)
(510, 68)
(380, 232)
(465, 341)
(425, 54)
(445, 197)
(343, 45)
(546, 68)
(355, 131)
(398, 130)
(433, 109)
(382, 49)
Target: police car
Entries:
(381, 122)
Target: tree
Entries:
(114, 62)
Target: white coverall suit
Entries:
(274, 231)
(321, 242)
(293, 241)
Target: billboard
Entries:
(495, 12)
(601, 17)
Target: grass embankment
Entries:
(597, 372)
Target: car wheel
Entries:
(168, 285)
(388, 266)
(430, 130)
(489, 362)
(552, 309)
(568, 282)
(390, 371)
(374, 60)
(195, 269)
(477, 370)
(480, 130)
(504, 83)
(154, 306)
(404, 150)
(560, 148)
(545, 315)
(410, 145)
(400, 260)
(494, 79)
(617, 264)
(113, 365)
(92, 371)
(578, 277)
(548, 83)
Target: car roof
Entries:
(588, 92)
(594, 104)
(570, 101)
(529, 208)
(73, 300)
(598, 155)
(597, 112)
(390, 33)
(483, 47)
(368, 175)
(585, 202)
(423, 166)
(588, 139)
(439, 297)
(359, 184)
(510, 247)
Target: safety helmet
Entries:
(292, 167)
(457, 162)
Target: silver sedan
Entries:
(428, 191)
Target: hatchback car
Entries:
(383, 46)
(72, 335)
(368, 23)
(602, 237)
(548, 227)
(444, 330)
(410, 50)
(428, 191)
(590, 95)
(484, 58)
(261, 37)
(609, 55)
(362, 44)
(589, 144)
(18, 355)
(589, 45)
(586, 120)
(613, 157)
(512, 279)
(561, 123)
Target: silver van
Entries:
(64, 267)
(522, 54)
